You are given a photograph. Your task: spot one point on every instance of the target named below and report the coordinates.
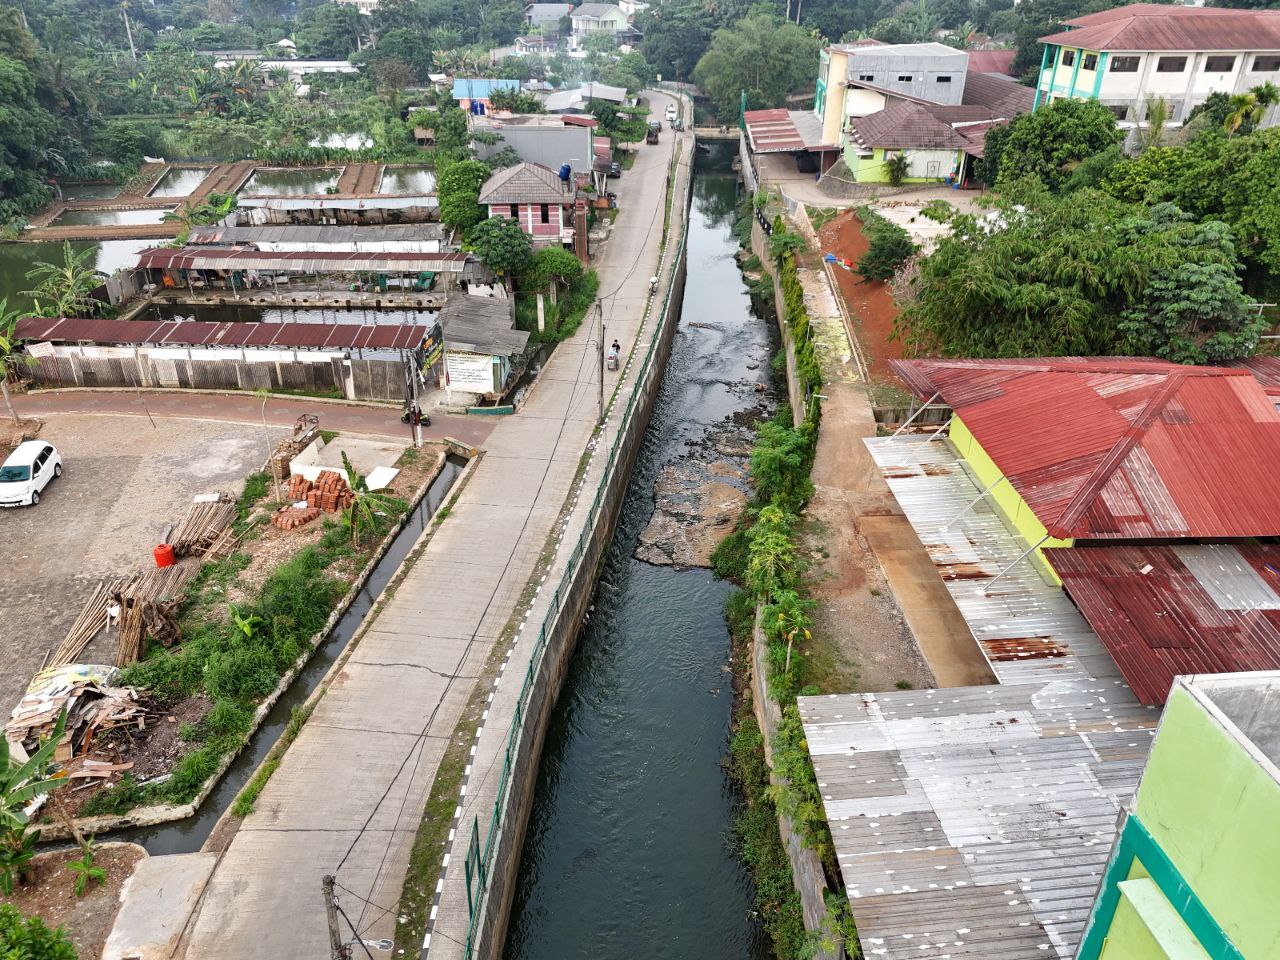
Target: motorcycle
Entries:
(408, 415)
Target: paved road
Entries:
(378, 421)
(350, 792)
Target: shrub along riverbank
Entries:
(762, 557)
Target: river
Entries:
(628, 853)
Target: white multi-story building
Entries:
(1127, 56)
(362, 6)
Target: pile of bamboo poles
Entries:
(91, 620)
(143, 590)
(204, 524)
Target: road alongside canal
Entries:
(628, 853)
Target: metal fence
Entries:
(480, 854)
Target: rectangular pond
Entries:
(276, 182)
(180, 182)
(109, 218)
(90, 191)
(407, 180)
(16, 259)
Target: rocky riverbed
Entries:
(699, 496)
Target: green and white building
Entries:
(1130, 55)
(1195, 871)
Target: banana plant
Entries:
(20, 784)
(367, 506)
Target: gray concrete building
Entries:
(927, 71)
(538, 138)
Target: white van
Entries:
(672, 113)
(28, 470)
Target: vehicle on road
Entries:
(29, 469)
(651, 135)
(672, 112)
(615, 169)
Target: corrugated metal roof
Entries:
(368, 201)
(772, 131)
(977, 821)
(1190, 30)
(991, 61)
(321, 233)
(1104, 448)
(481, 325)
(193, 333)
(320, 261)
(1163, 611)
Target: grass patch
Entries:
(328, 436)
(820, 216)
(562, 318)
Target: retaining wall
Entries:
(760, 247)
(571, 602)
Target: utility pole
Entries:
(124, 10)
(600, 408)
(337, 950)
(415, 414)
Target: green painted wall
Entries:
(1213, 810)
(1005, 497)
(871, 170)
(1147, 927)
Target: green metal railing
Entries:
(479, 857)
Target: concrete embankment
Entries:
(472, 909)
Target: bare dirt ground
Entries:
(124, 482)
(86, 919)
(870, 304)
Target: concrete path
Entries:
(349, 794)
(379, 420)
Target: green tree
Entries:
(370, 510)
(1080, 275)
(11, 354)
(762, 54)
(62, 289)
(550, 268)
(1053, 141)
(896, 167)
(501, 245)
(20, 784)
(27, 938)
(458, 187)
(771, 553)
(409, 46)
(888, 248)
(329, 31)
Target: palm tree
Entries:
(10, 358)
(1152, 134)
(1248, 109)
(62, 290)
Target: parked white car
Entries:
(27, 472)
(671, 112)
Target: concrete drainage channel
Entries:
(190, 834)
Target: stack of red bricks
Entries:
(290, 518)
(329, 492)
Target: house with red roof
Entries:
(1129, 55)
(1147, 489)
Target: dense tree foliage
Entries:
(28, 938)
(1081, 275)
(458, 187)
(501, 245)
(762, 54)
(1049, 143)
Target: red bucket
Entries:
(164, 555)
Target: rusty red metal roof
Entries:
(1113, 448)
(1163, 611)
(1143, 27)
(991, 61)
(194, 333)
(244, 258)
(772, 131)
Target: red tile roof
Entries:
(1153, 27)
(1162, 611)
(1121, 448)
(991, 61)
(905, 126)
(1003, 96)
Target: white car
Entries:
(28, 471)
(672, 113)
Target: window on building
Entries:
(1171, 64)
(904, 78)
(942, 79)
(1124, 64)
(1090, 61)
(1219, 64)
(545, 213)
(867, 77)
(1266, 64)
(1121, 112)
(866, 154)
(515, 211)
(1068, 57)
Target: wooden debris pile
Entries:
(93, 707)
(205, 525)
(92, 619)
